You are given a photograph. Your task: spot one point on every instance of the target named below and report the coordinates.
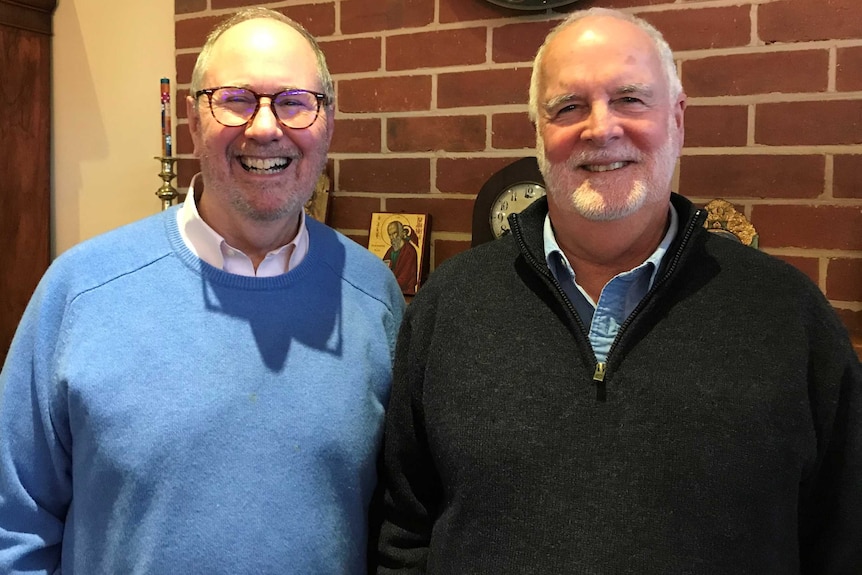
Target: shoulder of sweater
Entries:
(479, 260)
(478, 272)
(756, 265)
(747, 273)
(352, 263)
(94, 263)
(114, 253)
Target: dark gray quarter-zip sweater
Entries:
(724, 437)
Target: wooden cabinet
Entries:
(25, 155)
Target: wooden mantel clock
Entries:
(508, 191)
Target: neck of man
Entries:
(254, 238)
(599, 250)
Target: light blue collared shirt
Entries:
(619, 297)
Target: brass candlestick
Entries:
(167, 192)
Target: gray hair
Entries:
(662, 48)
(203, 61)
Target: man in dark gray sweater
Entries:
(610, 388)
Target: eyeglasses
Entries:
(232, 106)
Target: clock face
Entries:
(510, 201)
(508, 191)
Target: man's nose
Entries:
(264, 124)
(602, 126)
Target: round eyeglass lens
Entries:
(233, 106)
(296, 108)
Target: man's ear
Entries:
(330, 124)
(679, 120)
(193, 115)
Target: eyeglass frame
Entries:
(322, 99)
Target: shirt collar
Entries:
(558, 263)
(212, 248)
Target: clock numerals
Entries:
(510, 201)
(508, 191)
(501, 222)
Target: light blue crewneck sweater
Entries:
(161, 416)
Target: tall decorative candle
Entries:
(166, 117)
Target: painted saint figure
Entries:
(402, 257)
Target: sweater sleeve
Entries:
(35, 465)
(830, 510)
(411, 484)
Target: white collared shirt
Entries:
(212, 248)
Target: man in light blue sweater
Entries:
(203, 391)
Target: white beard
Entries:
(566, 184)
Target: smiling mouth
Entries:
(604, 167)
(264, 165)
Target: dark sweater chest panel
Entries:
(706, 427)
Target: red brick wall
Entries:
(431, 101)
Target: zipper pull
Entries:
(599, 378)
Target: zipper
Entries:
(599, 379)
(693, 224)
(602, 366)
(573, 313)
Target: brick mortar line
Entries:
(849, 149)
(776, 98)
(775, 150)
(820, 253)
(406, 195)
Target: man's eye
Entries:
(294, 103)
(236, 99)
(630, 100)
(568, 111)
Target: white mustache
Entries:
(602, 157)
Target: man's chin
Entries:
(599, 206)
(605, 214)
(270, 212)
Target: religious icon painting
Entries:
(317, 206)
(401, 240)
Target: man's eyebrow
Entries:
(561, 99)
(626, 89)
(643, 89)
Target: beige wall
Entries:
(108, 58)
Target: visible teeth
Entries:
(264, 164)
(604, 168)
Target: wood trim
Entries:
(25, 194)
(30, 15)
